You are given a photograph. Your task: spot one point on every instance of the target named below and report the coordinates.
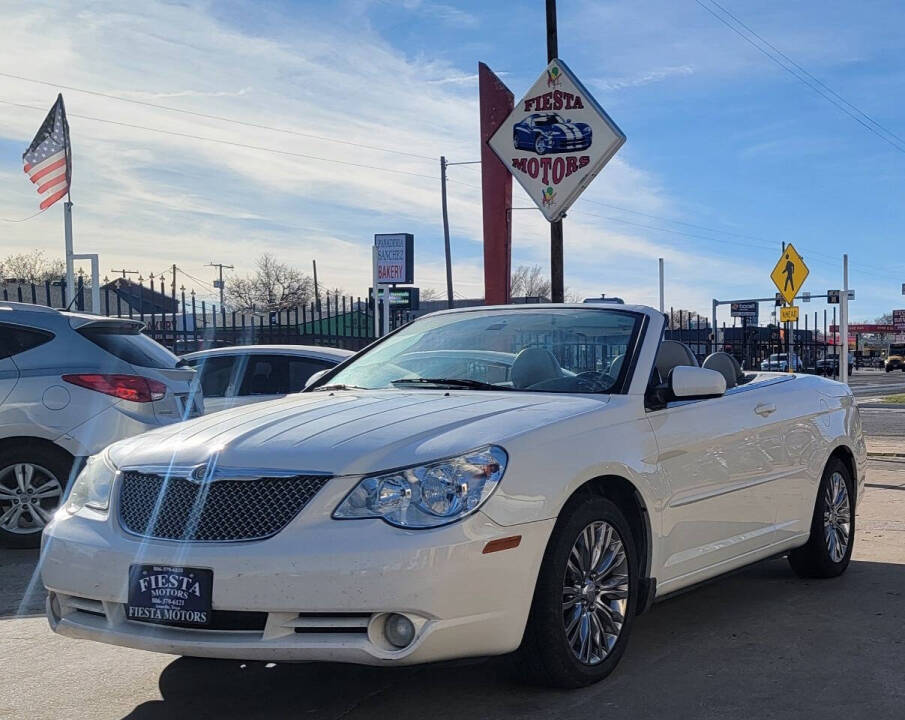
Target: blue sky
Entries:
(727, 155)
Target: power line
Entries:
(221, 118)
(11, 220)
(803, 76)
(805, 72)
(230, 142)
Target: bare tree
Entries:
(273, 286)
(687, 318)
(33, 267)
(427, 294)
(529, 281)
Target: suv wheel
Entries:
(32, 484)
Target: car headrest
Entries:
(672, 353)
(727, 366)
(534, 365)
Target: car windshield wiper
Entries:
(338, 386)
(450, 382)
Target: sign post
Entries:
(789, 275)
(843, 321)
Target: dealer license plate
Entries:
(169, 595)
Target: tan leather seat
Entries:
(672, 353)
(727, 366)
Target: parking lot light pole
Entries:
(662, 304)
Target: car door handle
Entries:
(765, 409)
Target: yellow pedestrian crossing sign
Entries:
(789, 274)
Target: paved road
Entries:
(876, 383)
(760, 643)
(881, 422)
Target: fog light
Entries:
(55, 608)
(399, 630)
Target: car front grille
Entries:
(176, 508)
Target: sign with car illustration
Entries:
(556, 140)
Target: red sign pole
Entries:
(496, 102)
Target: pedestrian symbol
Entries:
(789, 274)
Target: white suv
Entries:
(71, 384)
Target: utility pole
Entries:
(174, 280)
(219, 283)
(126, 272)
(317, 292)
(557, 288)
(449, 285)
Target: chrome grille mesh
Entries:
(220, 511)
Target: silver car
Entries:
(71, 384)
(245, 374)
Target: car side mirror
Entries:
(695, 383)
(315, 377)
(685, 383)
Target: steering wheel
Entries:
(601, 381)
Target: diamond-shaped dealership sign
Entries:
(556, 140)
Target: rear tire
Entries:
(33, 479)
(584, 603)
(829, 548)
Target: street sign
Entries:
(556, 140)
(402, 298)
(851, 294)
(898, 320)
(903, 288)
(832, 296)
(788, 314)
(789, 274)
(395, 258)
(805, 297)
(744, 309)
(218, 284)
(863, 328)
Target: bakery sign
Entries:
(556, 140)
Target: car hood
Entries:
(352, 432)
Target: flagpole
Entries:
(70, 270)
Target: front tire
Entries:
(585, 599)
(829, 548)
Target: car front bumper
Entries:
(320, 590)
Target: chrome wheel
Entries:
(28, 495)
(595, 592)
(837, 517)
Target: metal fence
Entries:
(808, 340)
(184, 324)
(188, 324)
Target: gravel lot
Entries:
(760, 643)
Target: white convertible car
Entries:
(481, 481)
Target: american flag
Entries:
(48, 160)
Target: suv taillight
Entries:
(125, 387)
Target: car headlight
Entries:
(93, 485)
(429, 495)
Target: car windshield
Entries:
(548, 120)
(544, 350)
